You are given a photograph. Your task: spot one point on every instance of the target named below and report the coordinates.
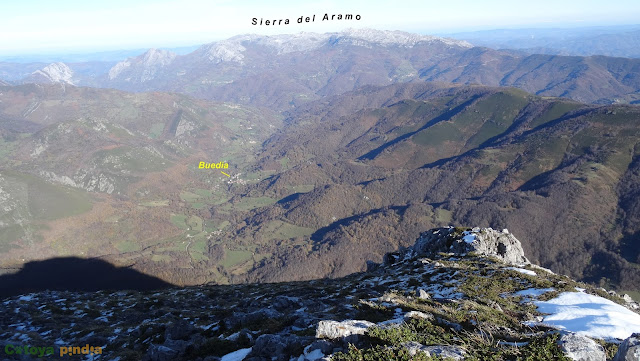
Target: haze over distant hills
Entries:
(618, 41)
(98, 56)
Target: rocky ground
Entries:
(463, 294)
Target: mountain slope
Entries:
(345, 180)
(102, 173)
(446, 154)
(481, 301)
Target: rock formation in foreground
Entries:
(458, 293)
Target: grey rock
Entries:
(242, 334)
(372, 266)
(629, 350)
(178, 345)
(390, 298)
(323, 345)
(316, 351)
(391, 258)
(277, 347)
(335, 329)
(282, 303)
(161, 353)
(247, 319)
(303, 321)
(423, 295)
(631, 303)
(94, 340)
(456, 326)
(454, 352)
(270, 345)
(484, 241)
(581, 348)
(495, 305)
(418, 315)
(178, 330)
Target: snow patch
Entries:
(236, 355)
(522, 270)
(469, 238)
(589, 315)
(534, 292)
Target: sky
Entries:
(45, 26)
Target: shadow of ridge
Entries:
(76, 274)
(320, 233)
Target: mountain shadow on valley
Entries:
(319, 235)
(630, 247)
(442, 117)
(76, 274)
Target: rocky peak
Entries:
(482, 241)
(55, 73)
(158, 57)
(227, 50)
(145, 65)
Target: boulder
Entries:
(316, 351)
(179, 330)
(483, 241)
(629, 350)
(247, 319)
(324, 346)
(423, 295)
(161, 353)
(581, 348)
(335, 329)
(277, 347)
(630, 302)
(285, 303)
(454, 352)
(418, 315)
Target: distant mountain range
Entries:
(288, 70)
(617, 41)
(100, 56)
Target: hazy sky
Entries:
(44, 26)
